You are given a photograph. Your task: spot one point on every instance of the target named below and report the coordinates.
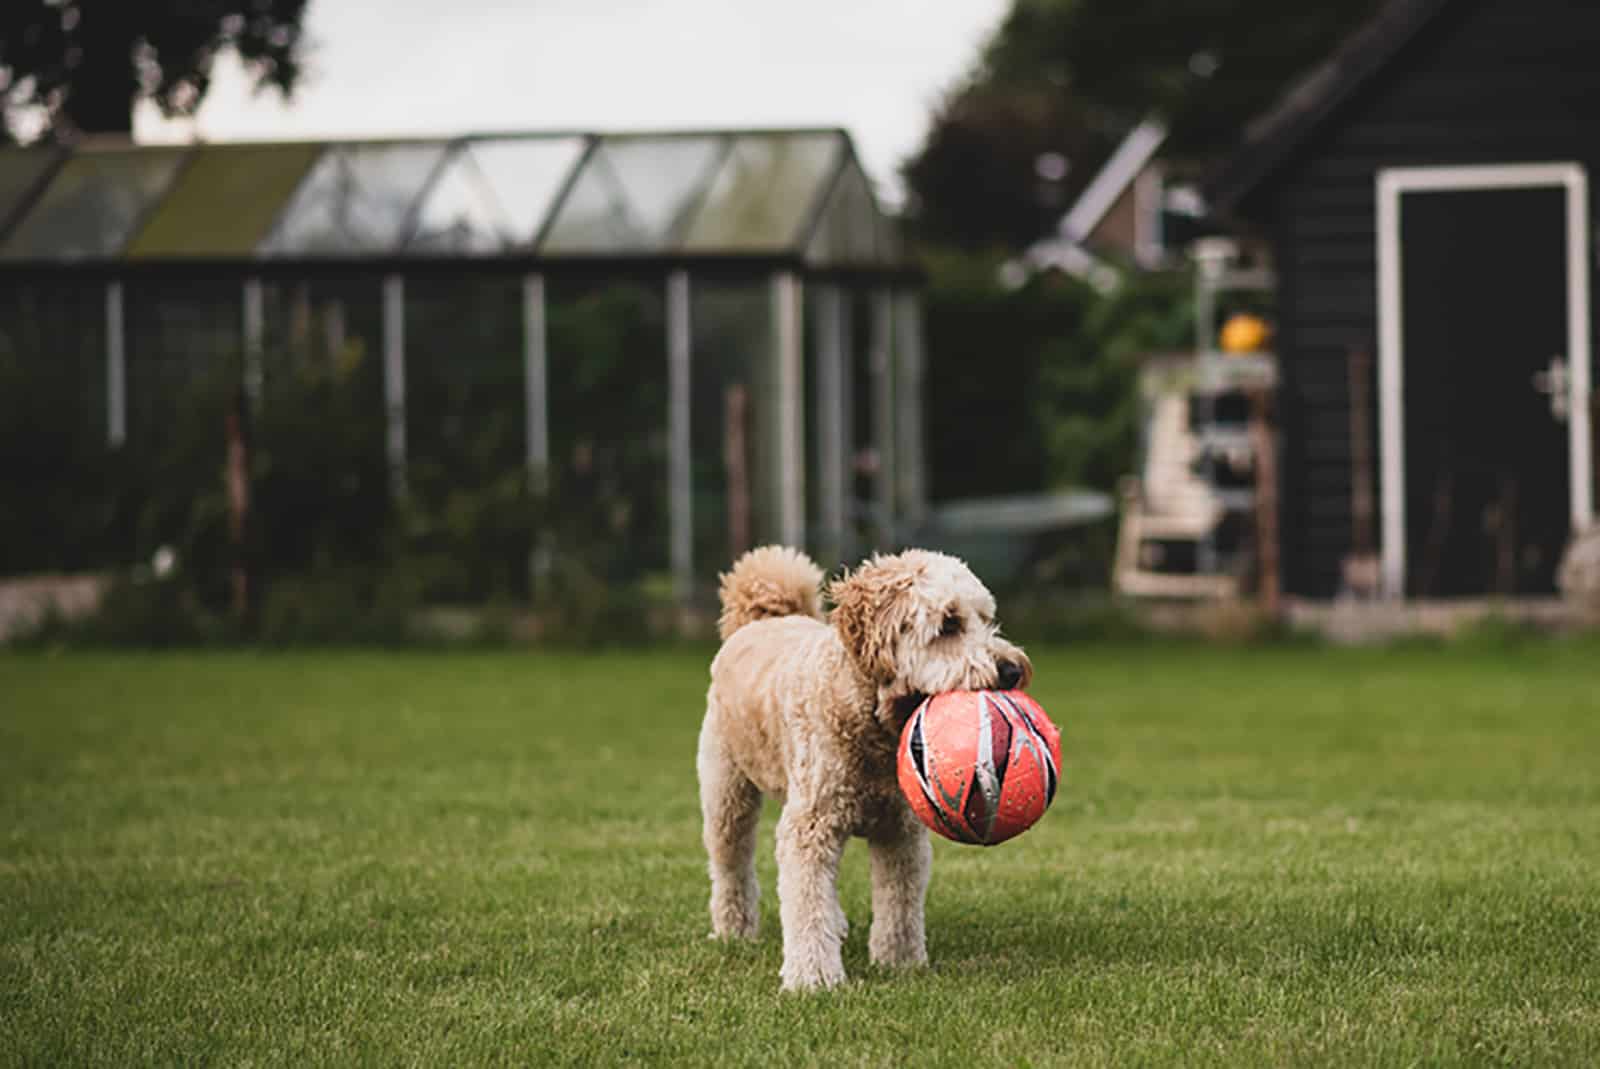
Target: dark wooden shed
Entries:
(1426, 192)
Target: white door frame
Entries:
(1392, 183)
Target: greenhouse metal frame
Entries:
(791, 209)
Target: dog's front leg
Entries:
(814, 925)
(901, 863)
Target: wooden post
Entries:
(1361, 495)
(735, 436)
(1594, 451)
(535, 383)
(116, 369)
(908, 373)
(394, 375)
(536, 419)
(1362, 571)
(1265, 448)
(789, 384)
(882, 370)
(833, 433)
(680, 472)
(238, 480)
(254, 341)
(1505, 535)
(1438, 533)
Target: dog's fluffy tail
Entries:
(766, 582)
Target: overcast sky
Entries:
(405, 67)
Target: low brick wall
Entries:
(25, 600)
(1351, 621)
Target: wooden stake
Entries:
(1265, 449)
(238, 480)
(736, 403)
(1362, 514)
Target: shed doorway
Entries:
(1484, 376)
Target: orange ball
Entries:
(979, 766)
(1244, 334)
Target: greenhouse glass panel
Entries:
(324, 329)
(832, 450)
(52, 334)
(93, 204)
(225, 201)
(357, 199)
(57, 495)
(850, 230)
(765, 192)
(495, 194)
(461, 213)
(633, 194)
(866, 525)
(733, 421)
(20, 171)
(466, 432)
(322, 423)
(608, 516)
(183, 349)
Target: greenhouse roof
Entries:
(791, 194)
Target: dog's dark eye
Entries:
(950, 626)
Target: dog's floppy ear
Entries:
(871, 609)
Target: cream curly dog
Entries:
(810, 712)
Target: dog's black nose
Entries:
(1010, 674)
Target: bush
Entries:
(144, 613)
(1089, 383)
(67, 499)
(359, 605)
(1045, 377)
(987, 349)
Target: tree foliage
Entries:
(1072, 77)
(976, 183)
(1044, 376)
(81, 65)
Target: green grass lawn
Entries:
(1281, 856)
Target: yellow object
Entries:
(1244, 334)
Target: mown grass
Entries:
(1280, 856)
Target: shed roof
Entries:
(1068, 249)
(1271, 139)
(797, 193)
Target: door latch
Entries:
(1555, 381)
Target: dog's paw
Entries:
(750, 931)
(897, 950)
(735, 916)
(898, 959)
(813, 977)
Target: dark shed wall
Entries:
(1495, 81)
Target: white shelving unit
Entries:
(1176, 508)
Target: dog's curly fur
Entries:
(810, 712)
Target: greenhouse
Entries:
(715, 332)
